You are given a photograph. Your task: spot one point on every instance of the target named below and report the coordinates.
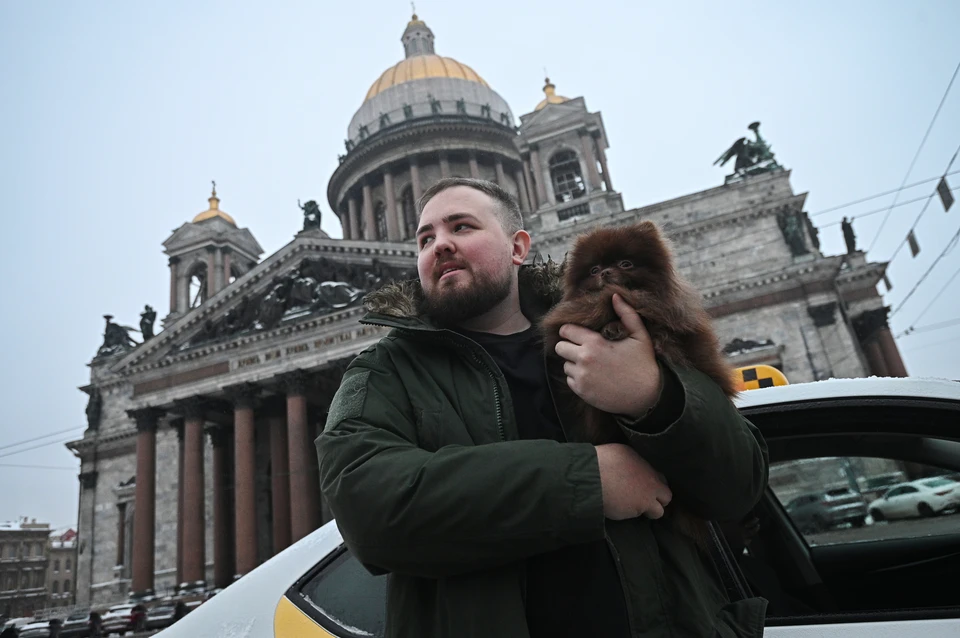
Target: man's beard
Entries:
(458, 304)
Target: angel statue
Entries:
(753, 156)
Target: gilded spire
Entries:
(214, 210)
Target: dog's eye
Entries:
(595, 270)
(626, 263)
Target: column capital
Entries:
(219, 434)
(824, 314)
(244, 395)
(146, 418)
(173, 261)
(295, 382)
(226, 250)
(191, 408)
(88, 480)
(870, 322)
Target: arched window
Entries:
(67, 567)
(56, 566)
(380, 215)
(66, 586)
(198, 285)
(56, 587)
(566, 176)
(235, 274)
(409, 208)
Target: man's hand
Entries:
(631, 487)
(620, 377)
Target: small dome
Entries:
(551, 95)
(214, 210)
(419, 67)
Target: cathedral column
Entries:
(194, 520)
(586, 143)
(304, 483)
(871, 327)
(444, 165)
(211, 271)
(602, 155)
(531, 194)
(344, 217)
(415, 180)
(474, 166)
(354, 218)
(174, 262)
(223, 569)
(180, 490)
(501, 177)
(522, 190)
(121, 532)
(226, 251)
(891, 354)
(537, 172)
(370, 231)
(145, 496)
(183, 292)
(218, 269)
(280, 480)
(245, 470)
(394, 224)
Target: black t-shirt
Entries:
(574, 591)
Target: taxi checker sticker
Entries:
(759, 376)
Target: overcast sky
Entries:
(116, 116)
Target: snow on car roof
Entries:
(917, 387)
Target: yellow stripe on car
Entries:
(290, 622)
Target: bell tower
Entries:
(207, 255)
(563, 146)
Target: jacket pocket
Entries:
(428, 429)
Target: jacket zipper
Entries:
(498, 401)
(623, 581)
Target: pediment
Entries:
(572, 110)
(189, 236)
(308, 278)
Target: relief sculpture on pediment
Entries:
(315, 286)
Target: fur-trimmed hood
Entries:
(540, 282)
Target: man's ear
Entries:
(521, 247)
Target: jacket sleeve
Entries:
(462, 508)
(715, 460)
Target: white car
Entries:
(924, 497)
(882, 581)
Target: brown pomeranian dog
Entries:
(636, 263)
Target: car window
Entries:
(857, 503)
(940, 482)
(345, 598)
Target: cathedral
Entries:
(198, 463)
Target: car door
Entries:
(893, 503)
(893, 570)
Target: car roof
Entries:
(914, 387)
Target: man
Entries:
(445, 463)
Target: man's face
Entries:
(466, 261)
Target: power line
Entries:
(935, 298)
(925, 205)
(867, 199)
(950, 245)
(916, 156)
(40, 467)
(37, 438)
(34, 447)
(928, 328)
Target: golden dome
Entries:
(552, 97)
(214, 210)
(423, 66)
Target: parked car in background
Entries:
(165, 614)
(12, 626)
(80, 624)
(822, 511)
(41, 629)
(123, 618)
(923, 497)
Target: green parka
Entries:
(422, 468)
